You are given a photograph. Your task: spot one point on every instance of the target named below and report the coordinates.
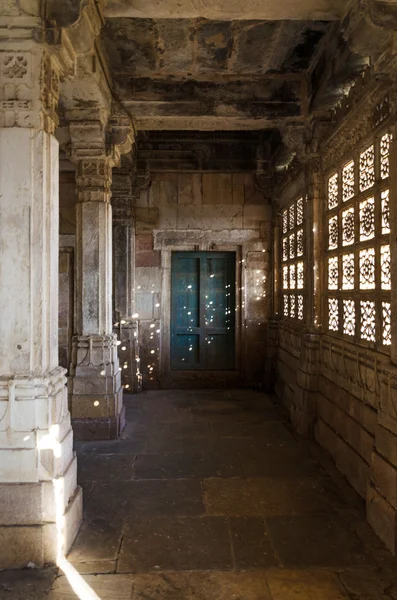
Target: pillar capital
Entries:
(94, 179)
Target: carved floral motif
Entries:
(15, 66)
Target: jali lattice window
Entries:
(358, 246)
(293, 261)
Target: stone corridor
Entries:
(210, 496)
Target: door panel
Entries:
(203, 311)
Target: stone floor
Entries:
(211, 496)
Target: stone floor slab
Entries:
(315, 541)
(304, 585)
(224, 499)
(182, 497)
(29, 584)
(175, 544)
(105, 467)
(98, 539)
(107, 587)
(252, 548)
(365, 584)
(202, 585)
(235, 497)
(176, 466)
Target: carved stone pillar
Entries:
(95, 392)
(124, 273)
(314, 248)
(40, 503)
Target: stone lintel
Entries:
(227, 11)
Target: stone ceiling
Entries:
(206, 74)
(223, 65)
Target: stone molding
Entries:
(25, 99)
(94, 179)
(354, 121)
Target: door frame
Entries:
(168, 242)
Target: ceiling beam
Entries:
(228, 10)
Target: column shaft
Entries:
(95, 392)
(40, 503)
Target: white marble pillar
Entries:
(40, 503)
(95, 392)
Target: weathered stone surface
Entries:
(97, 540)
(175, 544)
(327, 541)
(118, 587)
(214, 585)
(305, 585)
(30, 584)
(252, 547)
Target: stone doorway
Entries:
(203, 311)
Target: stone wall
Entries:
(202, 211)
(343, 394)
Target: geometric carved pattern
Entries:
(300, 308)
(291, 221)
(368, 320)
(292, 245)
(333, 191)
(386, 323)
(15, 67)
(285, 221)
(348, 181)
(348, 271)
(385, 212)
(333, 314)
(293, 267)
(367, 168)
(333, 272)
(285, 249)
(299, 275)
(385, 155)
(292, 277)
(348, 227)
(299, 242)
(385, 267)
(285, 278)
(367, 269)
(285, 303)
(349, 317)
(352, 266)
(333, 232)
(299, 212)
(367, 219)
(292, 306)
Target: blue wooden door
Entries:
(203, 311)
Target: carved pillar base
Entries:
(41, 507)
(95, 391)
